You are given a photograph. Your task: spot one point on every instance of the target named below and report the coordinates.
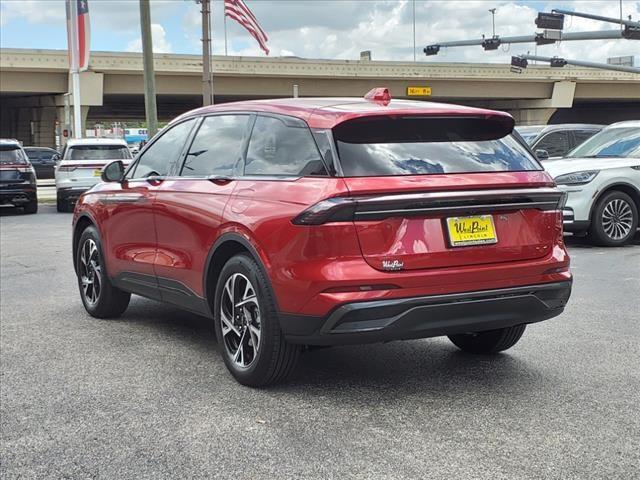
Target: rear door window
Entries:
(414, 146)
(217, 147)
(283, 147)
(555, 143)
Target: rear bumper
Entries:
(430, 316)
(18, 196)
(570, 224)
(70, 194)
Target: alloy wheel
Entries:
(617, 219)
(240, 320)
(90, 272)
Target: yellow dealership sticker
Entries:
(476, 230)
(418, 91)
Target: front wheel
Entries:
(247, 327)
(99, 297)
(615, 220)
(491, 341)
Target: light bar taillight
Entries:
(337, 209)
(379, 207)
(66, 169)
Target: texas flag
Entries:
(78, 34)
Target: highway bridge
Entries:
(33, 84)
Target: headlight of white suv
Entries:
(577, 178)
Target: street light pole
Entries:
(207, 79)
(493, 20)
(149, 73)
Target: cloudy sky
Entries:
(321, 28)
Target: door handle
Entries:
(155, 179)
(220, 179)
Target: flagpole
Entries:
(225, 33)
(414, 30)
(75, 71)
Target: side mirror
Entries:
(55, 157)
(542, 154)
(113, 172)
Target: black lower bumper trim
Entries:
(432, 316)
(17, 197)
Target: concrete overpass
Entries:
(33, 84)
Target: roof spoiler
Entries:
(425, 128)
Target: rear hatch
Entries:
(445, 192)
(85, 162)
(14, 167)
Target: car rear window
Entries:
(11, 154)
(424, 146)
(98, 152)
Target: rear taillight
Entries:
(338, 209)
(63, 168)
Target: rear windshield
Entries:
(11, 154)
(391, 148)
(98, 152)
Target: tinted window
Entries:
(217, 146)
(582, 135)
(610, 142)
(555, 143)
(417, 147)
(98, 152)
(529, 133)
(157, 159)
(11, 154)
(282, 147)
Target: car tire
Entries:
(31, 207)
(491, 341)
(99, 297)
(614, 220)
(62, 205)
(250, 319)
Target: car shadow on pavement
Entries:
(573, 241)
(434, 367)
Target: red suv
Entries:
(327, 221)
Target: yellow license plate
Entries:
(476, 230)
(97, 172)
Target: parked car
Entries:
(328, 222)
(17, 177)
(556, 140)
(81, 165)
(602, 179)
(43, 160)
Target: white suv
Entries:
(81, 165)
(602, 179)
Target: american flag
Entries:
(237, 10)
(78, 34)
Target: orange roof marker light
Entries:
(379, 95)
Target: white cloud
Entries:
(159, 40)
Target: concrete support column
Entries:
(533, 116)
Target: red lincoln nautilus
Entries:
(328, 221)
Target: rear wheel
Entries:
(247, 327)
(100, 298)
(32, 206)
(491, 341)
(62, 205)
(615, 220)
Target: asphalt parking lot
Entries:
(148, 396)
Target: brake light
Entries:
(330, 210)
(66, 169)
(379, 95)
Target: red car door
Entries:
(189, 207)
(127, 217)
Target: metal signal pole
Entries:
(149, 73)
